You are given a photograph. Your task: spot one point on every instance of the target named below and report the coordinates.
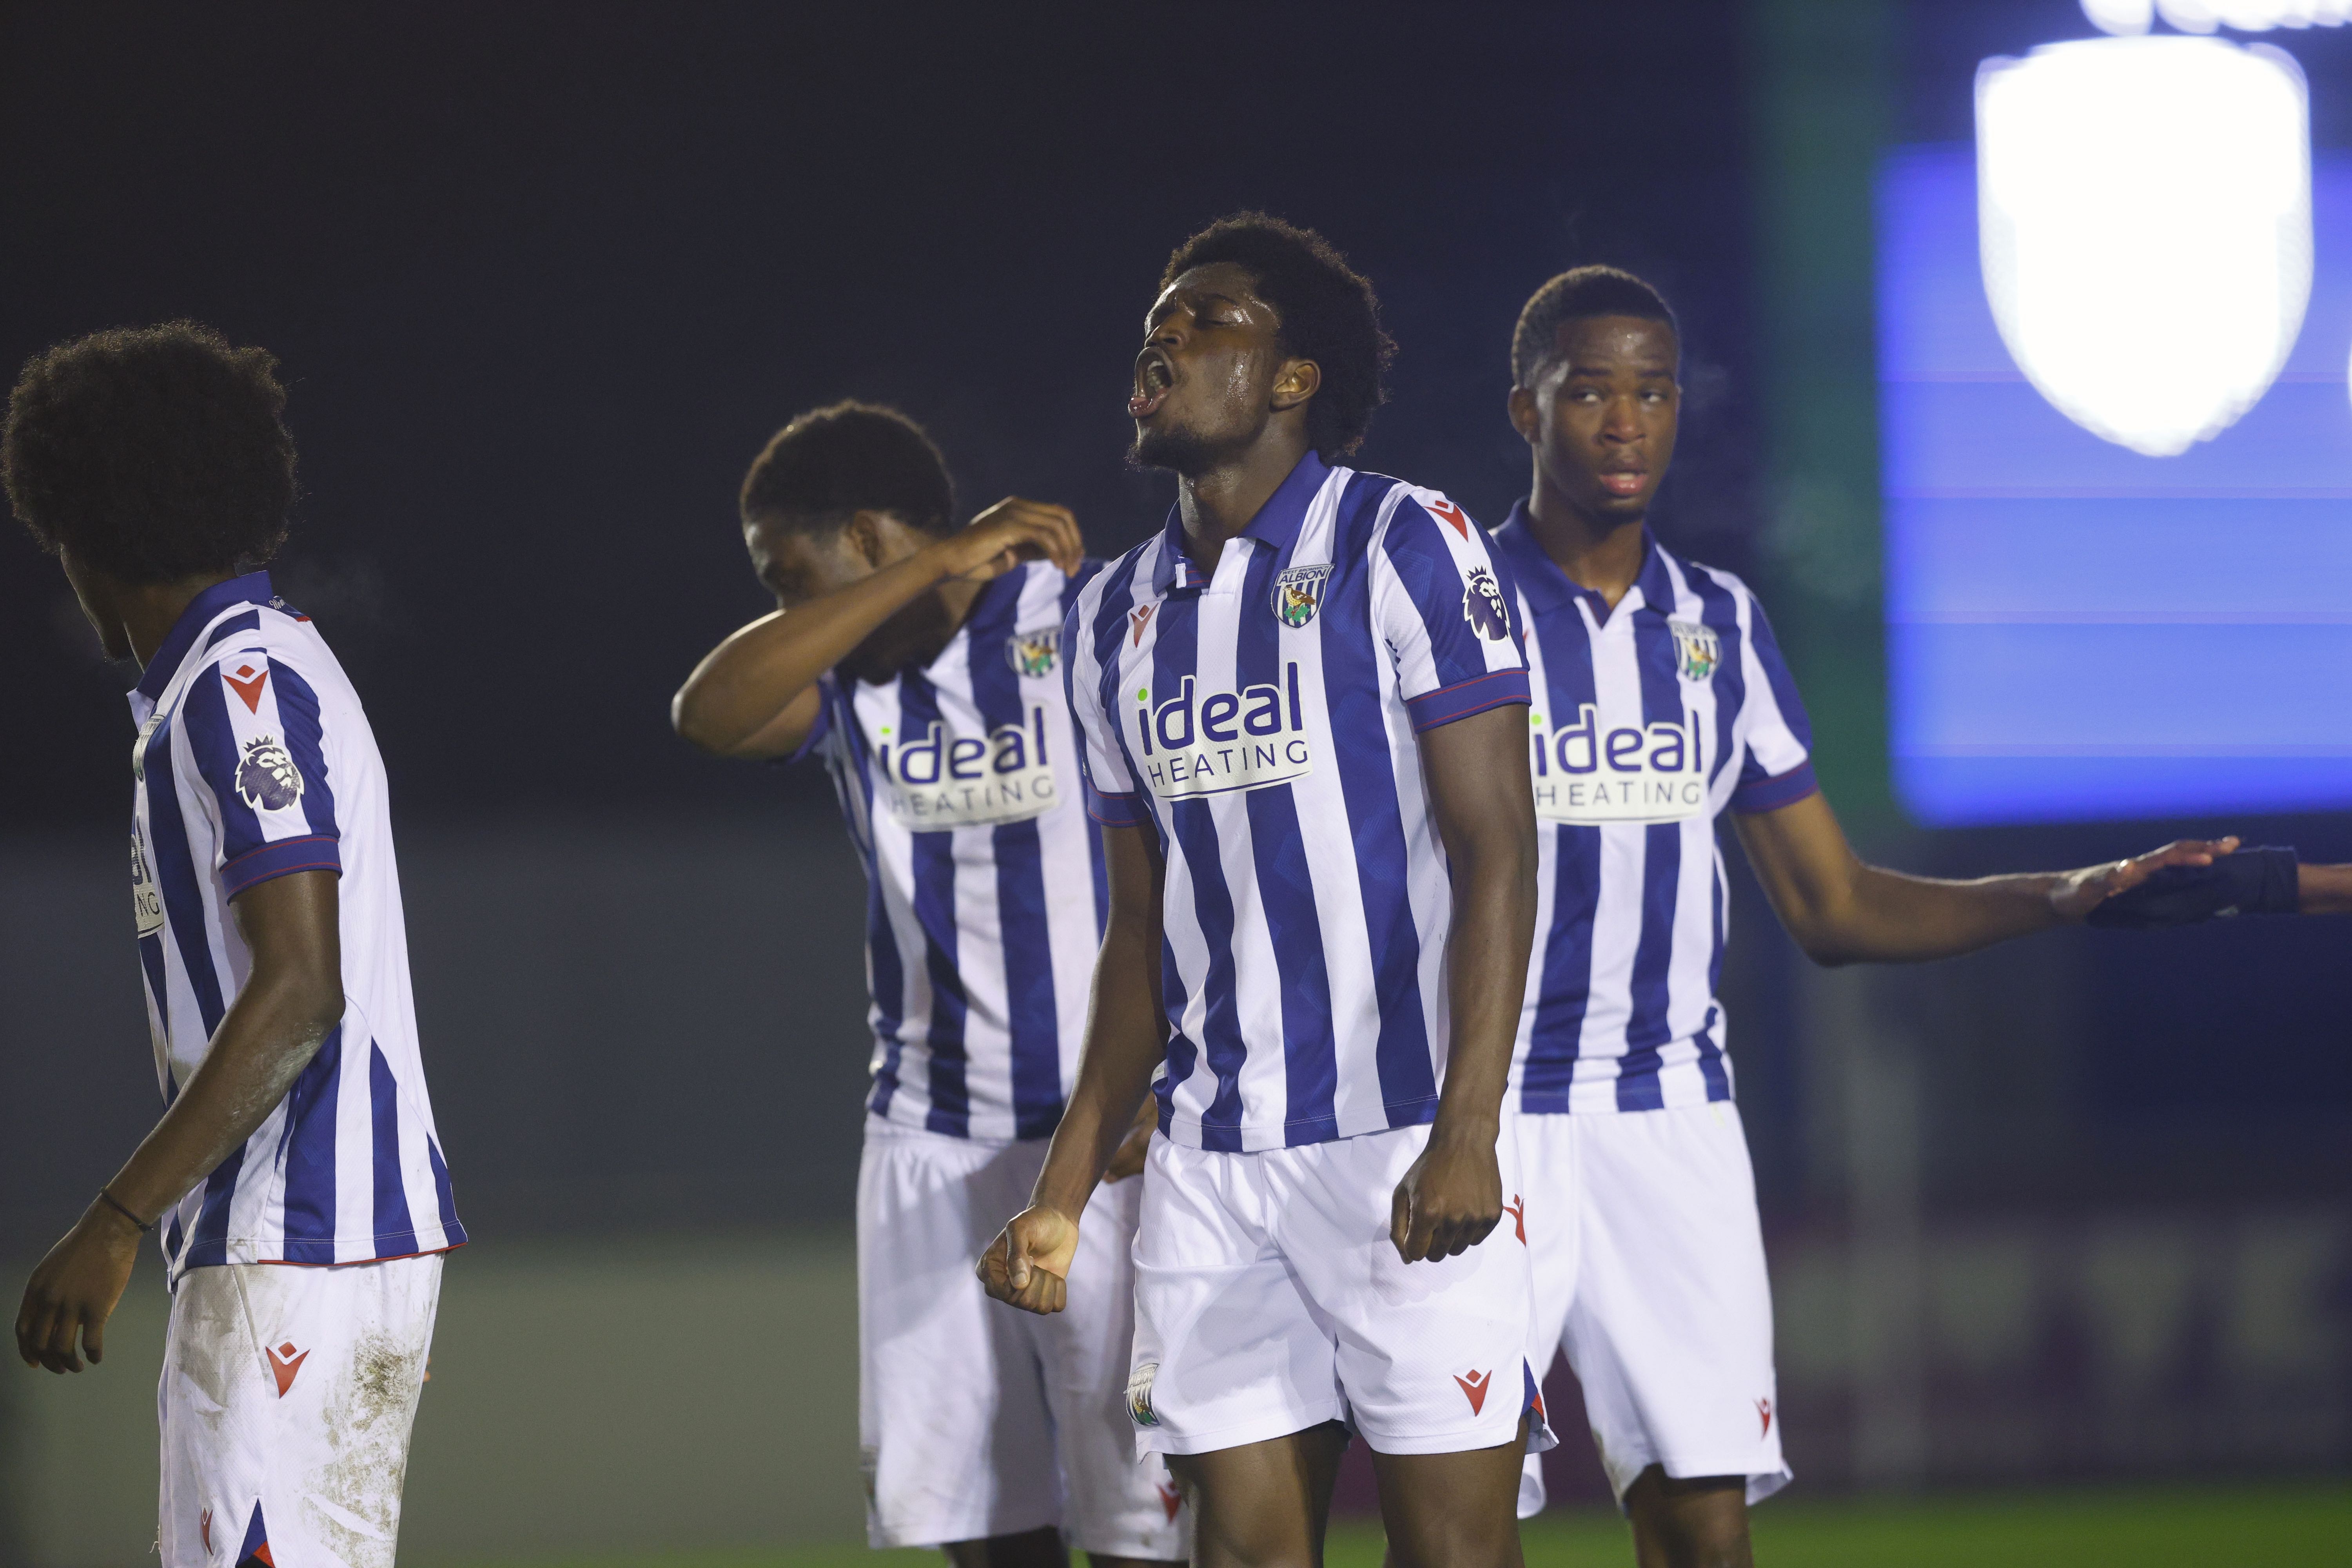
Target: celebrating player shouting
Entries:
(1661, 702)
(1303, 709)
(296, 1129)
(924, 662)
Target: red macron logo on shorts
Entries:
(204, 1528)
(1473, 1388)
(284, 1368)
(1764, 1410)
(1169, 1498)
(1517, 1209)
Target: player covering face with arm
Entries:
(919, 661)
(1661, 702)
(1303, 704)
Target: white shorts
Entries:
(978, 1419)
(285, 1403)
(1649, 1270)
(1269, 1298)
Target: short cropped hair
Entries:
(1327, 313)
(847, 458)
(155, 454)
(1582, 291)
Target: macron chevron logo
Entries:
(1473, 1388)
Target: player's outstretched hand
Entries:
(1011, 531)
(1028, 1264)
(1450, 1199)
(74, 1290)
(2247, 882)
(2077, 893)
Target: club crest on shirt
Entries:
(267, 780)
(1298, 594)
(1697, 649)
(1482, 605)
(1034, 653)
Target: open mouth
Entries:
(1154, 377)
(1624, 481)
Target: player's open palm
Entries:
(73, 1292)
(1011, 531)
(1028, 1264)
(2077, 893)
(1449, 1200)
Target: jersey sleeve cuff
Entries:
(317, 852)
(1779, 790)
(1116, 810)
(1496, 688)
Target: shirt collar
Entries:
(173, 652)
(1549, 588)
(1277, 523)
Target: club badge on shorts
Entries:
(1298, 594)
(1697, 649)
(1482, 605)
(1138, 1391)
(1033, 653)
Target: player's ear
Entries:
(1524, 413)
(866, 539)
(1295, 382)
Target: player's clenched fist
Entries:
(1450, 1199)
(1028, 1264)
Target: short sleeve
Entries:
(1111, 795)
(1776, 765)
(828, 693)
(259, 746)
(1442, 600)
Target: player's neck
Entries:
(1601, 554)
(1221, 500)
(148, 613)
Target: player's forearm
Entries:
(265, 1040)
(2324, 889)
(742, 685)
(1486, 974)
(1124, 1042)
(1888, 917)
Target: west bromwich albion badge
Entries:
(1697, 649)
(1298, 594)
(1034, 653)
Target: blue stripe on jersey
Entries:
(885, 972)
(394, 1226)
(1070, 592)
(1285, 886)
(298, 707)
(205, 716)
(183, 883)
(1564, 976)
(1356, 675)
(1711, 1065)
(1662, 863)
(307, 1150)
(444, 1196)
(1030, 1014)
(933, 854)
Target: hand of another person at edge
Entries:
(74, 1290)
(2077, 893)
(1011, 531)
(1450, 1200)
(1127, 1159)
(1028, 1264)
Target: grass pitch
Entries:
(2297, 1526)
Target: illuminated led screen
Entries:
(2078, 632)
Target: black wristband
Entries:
(117, 1204)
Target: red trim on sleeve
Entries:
(312, 852)
(1116, 810)
(1772, 793)
(1496, 688)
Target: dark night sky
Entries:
(544, 278)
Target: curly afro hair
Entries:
(155, 454)
(1582, 291)
(850, 456)
(1327, 313)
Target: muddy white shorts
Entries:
(978, 1419)
(286, 1403)
(1269, 1298)
(1649, 1272)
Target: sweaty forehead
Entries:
(1218, 279)
(1617, 342)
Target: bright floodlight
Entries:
(2206, 16)
(2145, 211)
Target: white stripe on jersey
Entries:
(984, 880)
(254, 761)
(1650, 720)
(1264, 722)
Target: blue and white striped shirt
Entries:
(1264, 720)
(984, 877)
(1649, 721)
(254, 761)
